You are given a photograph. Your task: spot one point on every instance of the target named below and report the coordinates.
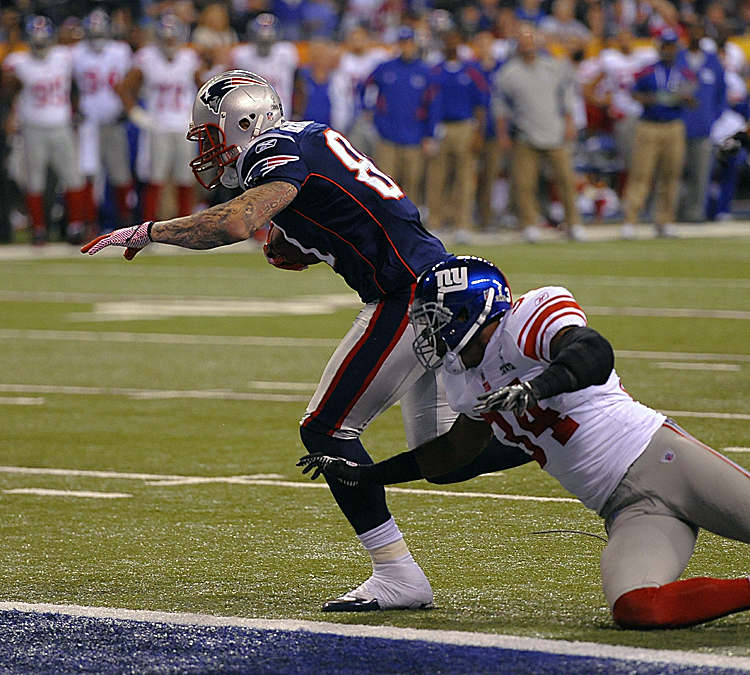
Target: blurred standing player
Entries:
(99, 65)
(42, 79)
(534, 375)
(265, 55)
(329, 203)
(167, 73)
(400, 89)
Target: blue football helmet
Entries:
(452, 301)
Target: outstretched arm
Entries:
(454, 449)
(223, 224)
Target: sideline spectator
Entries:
(490, 155)
(539, 120)
(664, 89)
(457, 110)
(400, 115)
(319, 90)
(711, 95)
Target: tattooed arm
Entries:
(227, 223)
(223, 224)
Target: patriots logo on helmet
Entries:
(213, 96)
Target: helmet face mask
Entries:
(453, 301)
(230, 111)
(96, 28)
(39, 32)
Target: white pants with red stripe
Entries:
(373, 368)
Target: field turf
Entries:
(149, 414)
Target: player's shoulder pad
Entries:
(268, 152)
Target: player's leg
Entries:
(369, 371)
(642, 167)
(35, 160)
(683, 485)
(525, 183)
(672, 152)
(160, 161)
(182, 174)
(116, 160)
(66, 165)
(90, 152)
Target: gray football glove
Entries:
(517, 398)
(341, 469)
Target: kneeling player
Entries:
(533, 373)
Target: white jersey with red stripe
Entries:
(169, 85)
(278, 67)
(44, 100)
(97, 73)
(586, 439)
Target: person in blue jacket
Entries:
(459, 101)
(399, 88)
(711, 95)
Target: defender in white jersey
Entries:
(275, 61)
(167, 75)
(41, 79)
(99, 65)
(537, 377)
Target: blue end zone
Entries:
(41, 643)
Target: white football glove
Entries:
(134, 238)
(142, 119)
(517, 398)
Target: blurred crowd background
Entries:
(491, 114)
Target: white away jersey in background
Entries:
(278, 68)
(586, 439)
(96, 75)
(44, 100)
(169, 86)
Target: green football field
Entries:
(149, 414)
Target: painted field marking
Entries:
(226, 395)
(686, 365)
(736, 449)
(444, 637)
(21, 400)
(285, 342)
(155, 480)
(43, 492)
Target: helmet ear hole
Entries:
(246, 122)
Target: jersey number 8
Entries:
(367, 172)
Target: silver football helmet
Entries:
(230, 110)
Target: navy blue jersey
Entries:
(348, 212)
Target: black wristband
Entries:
(148, 229)
(398, 469)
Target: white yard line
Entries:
(43, 492)
(21, 400)
(265, 480)
(295, 342)
(445, 637)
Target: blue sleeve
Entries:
(643, 84)
(273, 157)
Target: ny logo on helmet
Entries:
(213, 96)
(453, 279)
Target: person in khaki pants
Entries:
(458, 113)
(664, 89)
(533, 105)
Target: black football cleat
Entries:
(351, 603)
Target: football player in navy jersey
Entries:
(329, 203)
